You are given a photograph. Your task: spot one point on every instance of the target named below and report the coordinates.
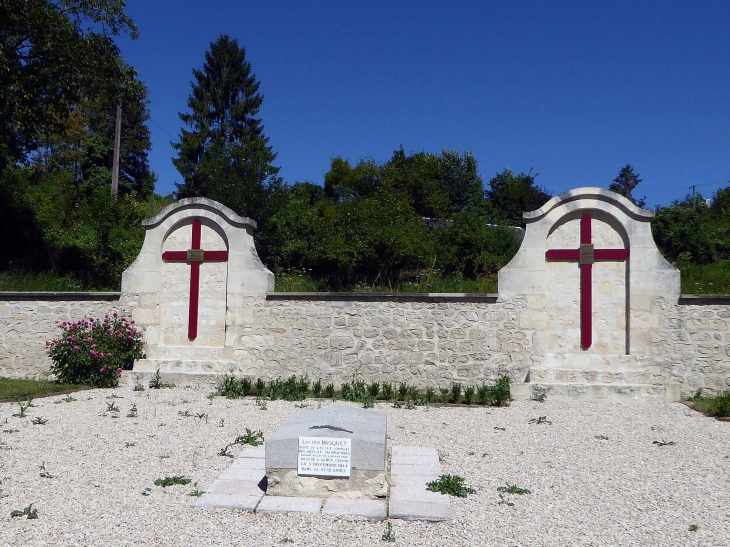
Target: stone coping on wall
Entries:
(686, 300)
(59, 296)
(383, 297)
(704, 299)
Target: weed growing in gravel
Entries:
(389, 534)
(693, 527)
(540, 420)
(10, 430)
(195, 492)
(26, 512)
(253, 438)
(601, 437)
(115, 396)
(138, 387)
(539, 393)
(130, 445)
(112, 407)
(261, 403)
(39, 420)
(68, 399)
(202, 416)
(664, 443)
(132, 411)
(157, 383)
(511, 489)
(44, 472)
(169, 481)
(286, 540)
(185, 414)
(24, 407)
(500, 428)
(453, 485)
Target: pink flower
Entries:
(69, 339)
(102, 370)
(64, 324)
(76, 348)
(129, 339)
(132, 322)
(91, 319)
(55, 341)
(93, 353)
(108, 331)
(48, 342)
(86, 323)
(124, 319)
(114, 314)
(93, 346)
(119, 371)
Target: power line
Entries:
(162, 129)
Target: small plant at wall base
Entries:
(95, 351)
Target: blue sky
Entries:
(572, 90)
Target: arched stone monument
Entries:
(589, 269)
(188, 286)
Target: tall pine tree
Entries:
(225, 155)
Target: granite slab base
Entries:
(412, 468)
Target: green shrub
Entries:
(95, 351)
(402, 391)
(317, 388)
(455, 394)
(233, 388)
(387, 391)
(469, 394)
(374, 389)
(329, 391)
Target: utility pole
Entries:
(117, 143)
(694, 202)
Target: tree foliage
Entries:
(510, 195)
(52, 55)
(625, 183)
(224, 155)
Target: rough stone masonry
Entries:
(582, 324)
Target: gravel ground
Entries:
(584, 490)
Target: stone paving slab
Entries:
(413, 459)
(405, 480)
(400, 451)
(419, 510)
(400, 469)
(253, 452)
(372, 509)
(242, 474)
(273, 504)
(241, 488)
(228, 501)
(416, 493)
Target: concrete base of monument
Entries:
(187, 371)
(587, 377)
(412, 467)
(360, 485)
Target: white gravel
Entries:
(585, 491)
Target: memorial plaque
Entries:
(324, 457)
(195, 255)
(587, 254)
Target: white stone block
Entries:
(272, 504)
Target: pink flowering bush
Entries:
(95, 351)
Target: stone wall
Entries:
(420, 339)
(691, 343)
(27, 320)
(424, 341)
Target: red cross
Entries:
(586, 255)
(194, 256)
